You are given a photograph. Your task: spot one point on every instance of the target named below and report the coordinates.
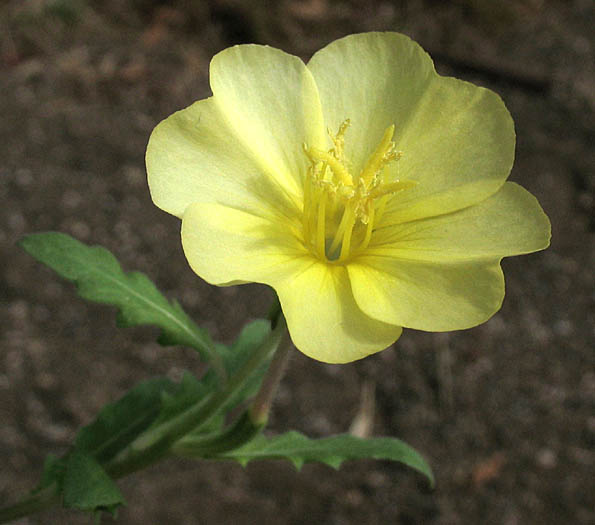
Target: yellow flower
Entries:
(366, 189)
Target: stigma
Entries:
(341, 209)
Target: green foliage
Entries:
(235, 357)
(80, 482)
(141, 410)
(99, 278)
(86, 486)
(332, 451)
(119, 423)
(79, 477)
(189, 392)
(149, 411)
(53, 472)
(192, 391)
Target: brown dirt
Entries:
(504, 412)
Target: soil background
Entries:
(503, 412)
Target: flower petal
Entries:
(457, 139)
(510, 222)
(324, 321)
(427, 296)
(271, 101)
(229, 246)
(225, 245)
(194, 156)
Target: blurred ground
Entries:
(504, 412)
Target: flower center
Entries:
(340, 210)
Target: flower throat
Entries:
(340, 210)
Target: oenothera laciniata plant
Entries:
(367, 190)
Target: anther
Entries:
(348, 207)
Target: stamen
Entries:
(369, 228)
(339, 139)
(346, 244)
(307, 208)
(337, 167)
(392, 188)
(380, 157)
(331, 191)
(321, 226)
(339, 233)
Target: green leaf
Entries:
(119, 423)
(251, 337)
(86, 486)
(192, 390)
(332, 451)
(157, 400)
(53, 472)
(99, 277)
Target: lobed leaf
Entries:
(80, 482)
(332, 451)
(86, 486)
(99, 278)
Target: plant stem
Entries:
(157, 442)
(261, 406)
(239, 433)
(250, 423)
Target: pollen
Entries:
(341, 209)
